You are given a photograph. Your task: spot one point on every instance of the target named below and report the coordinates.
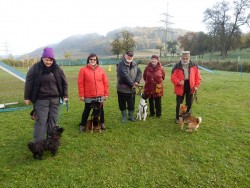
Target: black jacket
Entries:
(33, 81)
(127, 75)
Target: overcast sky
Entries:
(29, 24)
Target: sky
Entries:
(26, 25)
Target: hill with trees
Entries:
(79, 46)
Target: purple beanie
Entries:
(48, 53)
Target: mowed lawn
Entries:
(154, 153)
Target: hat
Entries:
(48, 53)
(130, 53)
(155, 57)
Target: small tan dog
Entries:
(185, 117)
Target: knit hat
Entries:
(155, 57)
(48, 53)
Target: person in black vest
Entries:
(45, 85)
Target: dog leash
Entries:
(195, 98)
(139, 90)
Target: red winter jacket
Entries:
(178, 75)
(153, 76)
(92, 82)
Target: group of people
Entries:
(46, 85)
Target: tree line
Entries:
(223, 22)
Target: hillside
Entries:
(81, 45)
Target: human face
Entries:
(129, 58)
(185, 58)
(154, 61)
(92, 61)
(47, 62)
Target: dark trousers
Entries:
(126, 100)
(179, 99)
(47, 112)
(86, 112)
(155, 106)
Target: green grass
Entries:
(155, 153)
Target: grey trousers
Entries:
(47, 112)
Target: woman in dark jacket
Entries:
(45, 84)
(154, 75)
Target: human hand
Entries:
(181, 82)
(136, 84)
(65, 99)
(81, 98)
(27, 102)
(195, 88)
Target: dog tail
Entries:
(199, 120)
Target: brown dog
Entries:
(94, 124)
(185, 117)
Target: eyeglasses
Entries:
(92, 59)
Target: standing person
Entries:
(154, 75)
(128, 77)
(45, 84)
(92, 87)
(186, 79)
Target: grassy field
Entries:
(155, 153)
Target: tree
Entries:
(225, 25)
(128, 43)
(116, 47)
(172, 47)
(160, 47)
(245, 41)
(123, 42)
(67, 55)
(196, 42)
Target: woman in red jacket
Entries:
(154, 75)
(186, 79)
(92, 87)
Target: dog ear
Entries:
(145, 97)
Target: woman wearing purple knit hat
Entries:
(45, 85)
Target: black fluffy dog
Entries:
(50, 144)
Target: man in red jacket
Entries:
(186, 79)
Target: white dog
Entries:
(142, 109)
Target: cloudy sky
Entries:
(29, 24)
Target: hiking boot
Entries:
(130, 115)
(124, 116)
(103, 126)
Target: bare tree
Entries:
(225, 25)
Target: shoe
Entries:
(103, 126)
(151, 115)
(82, 128)
(158, 116)
(177, 121)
